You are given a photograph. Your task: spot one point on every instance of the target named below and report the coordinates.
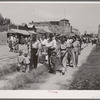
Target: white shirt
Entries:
(64, 45)
(69, 43)
(51, 44)
(27, 59)
(43, 42)
(36, 44)
(76, 45)
(20, 59)
(11, 38)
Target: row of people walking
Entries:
(59, 51)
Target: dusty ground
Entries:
(53, 82)
(56, 81)
(7, 57)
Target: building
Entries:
(61, 23)
(59, 27)
(41, 24)
(64, 22)
(54, 23)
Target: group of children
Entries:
(23, 62)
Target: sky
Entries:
(83, 16)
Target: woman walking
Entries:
(58, 58)
(76, 45)
(64, 54)
(34, 52)
(43, 42)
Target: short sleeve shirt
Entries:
(36, 44)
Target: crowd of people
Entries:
(59, 51)
(14, 41)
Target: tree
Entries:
(1, 19)
(4, 21)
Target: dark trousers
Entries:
(34, 58)
(49, 55)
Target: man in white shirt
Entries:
(43, 40)
(51, 45)
(71, 58)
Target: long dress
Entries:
(64, 56)
(34, 56)
(51, 46)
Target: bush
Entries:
(36, 76)
(8, 69)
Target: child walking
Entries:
(20, 60)
(53, 61)
(26, 62)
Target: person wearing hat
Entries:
(51, 45)
(52, 60)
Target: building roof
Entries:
(31, 32)
(23, 32)
(43, 30)
(64, 19)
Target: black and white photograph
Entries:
(49, 46)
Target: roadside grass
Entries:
(7, 69)
(36, 76)
(88, 75)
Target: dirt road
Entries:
(55, 82)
